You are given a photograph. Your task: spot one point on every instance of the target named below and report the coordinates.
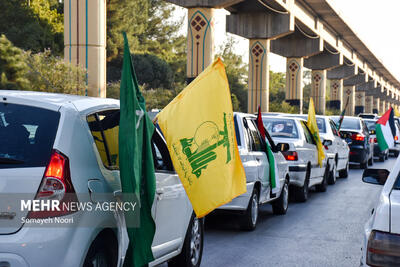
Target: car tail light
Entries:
(357, 137)
(371, 140)
(396, 138)
(290, 155)
(56, 185)
(375, 140)
(383, 249)
(352, 153)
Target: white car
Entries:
(302, 155)
(337, 149)
(252, 150)
(381, 242)
(67, 146)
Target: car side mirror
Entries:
(375, 176)
(282, 147)
(327, 142)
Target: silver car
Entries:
(337, 149)
(381, 239)
(67, 146)
(302, 155)
(252, 150)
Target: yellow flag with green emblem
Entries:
(200, 133)
(312, 125)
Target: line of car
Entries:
(58, 146)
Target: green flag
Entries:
(136, 163)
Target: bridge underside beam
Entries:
(356, 79)
(260, 25)
(342, 72)
(296, 45)
(323, 61)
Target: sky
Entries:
(377, 25)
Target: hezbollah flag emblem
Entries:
(199, 130)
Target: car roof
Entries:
(283, 117)
(55, 100)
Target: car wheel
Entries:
(301, 193)
(344, 173)
(281, 205)
(192, 249)
(370, 162)
(323, 185)
(249, 220)
(332, 175)
(101, 254)
(396, 153)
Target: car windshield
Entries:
(26, 135)
(348, 123)
(371, 124)
(279, 127)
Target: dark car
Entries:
(357, 136)
(371, 125)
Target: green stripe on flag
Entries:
(381, 138)
(271, 161)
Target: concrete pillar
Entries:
(318, 90)
(382, 107)
(349, 95)
(369, 104)
(294, 82)
(200, 41)
(359, 102)
(376, 107)
(258, 75)
(387, 105)
(336, 94)
(85, 41)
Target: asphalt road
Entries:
(324, 231)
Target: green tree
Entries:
(12, 66)
(152, 72)
(32, 27)
(129, 16)
(151, 32)
(236, 72)
(48, 73)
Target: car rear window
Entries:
(26, 135)
(320, 123)
(371, 124)
(278, 127)
(348, 123)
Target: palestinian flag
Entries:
(385, 130)
(273, 169)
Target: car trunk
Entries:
(17, 185)
(27, 135)
(346, 135)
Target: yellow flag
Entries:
(198, 127)
(312, 125)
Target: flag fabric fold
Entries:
(136, 163)
(199, 130)
(273, 169)
(384, 130)
(313, 127)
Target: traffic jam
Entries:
(67, 148)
